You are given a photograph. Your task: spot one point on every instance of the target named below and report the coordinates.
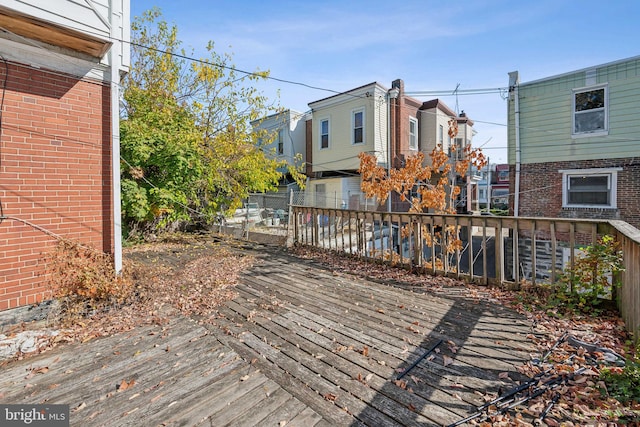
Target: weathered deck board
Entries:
(352, 289)
(182, 375)
(345, 371)
(308, 312)
(384, 319)
(300, 345)
(388, 296)
(379, 334)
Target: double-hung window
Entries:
(589, 188)
(281, 142)
(324, 133)
(357, 123)
(590, 111)
(413, 133)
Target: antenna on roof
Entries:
(455, 92)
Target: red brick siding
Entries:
(55, 173)
(541, 190)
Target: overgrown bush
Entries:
(83, 280)
(593, 275)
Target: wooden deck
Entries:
(300, 346)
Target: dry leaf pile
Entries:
(190, 276)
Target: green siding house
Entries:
(574, 143)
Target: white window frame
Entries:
(353, 126)
(612, 184)
(441, 135)
(280, 143)
(597, 132)
(413, 136)
(320, 134)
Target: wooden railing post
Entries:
(418, 248)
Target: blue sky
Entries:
(431, 45)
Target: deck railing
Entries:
(494, 250)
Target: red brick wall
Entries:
(541, 190)
(54, 173)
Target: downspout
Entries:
(391, 94)
(389, 148)
(488, 185)
(115, 138)
(514, 83)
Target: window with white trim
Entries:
(413, 133)
(281, 142)
(590, 110)
(589, 188)
(324, 133)
(441, 134)
(357, 124)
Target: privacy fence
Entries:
(487, 250)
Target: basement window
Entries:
(589, 188)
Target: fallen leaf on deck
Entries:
(446, 360)
(124, 385)
(401, 383)
(330, 397)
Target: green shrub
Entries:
(593, 275)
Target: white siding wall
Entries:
(292, 125)
(297, 131)
(430, 123)
(104, 19)
(342, 154)
(337, 190)
(86, 16)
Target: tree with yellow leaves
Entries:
(188, 149)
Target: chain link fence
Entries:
(352, 200)
(268, 213)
